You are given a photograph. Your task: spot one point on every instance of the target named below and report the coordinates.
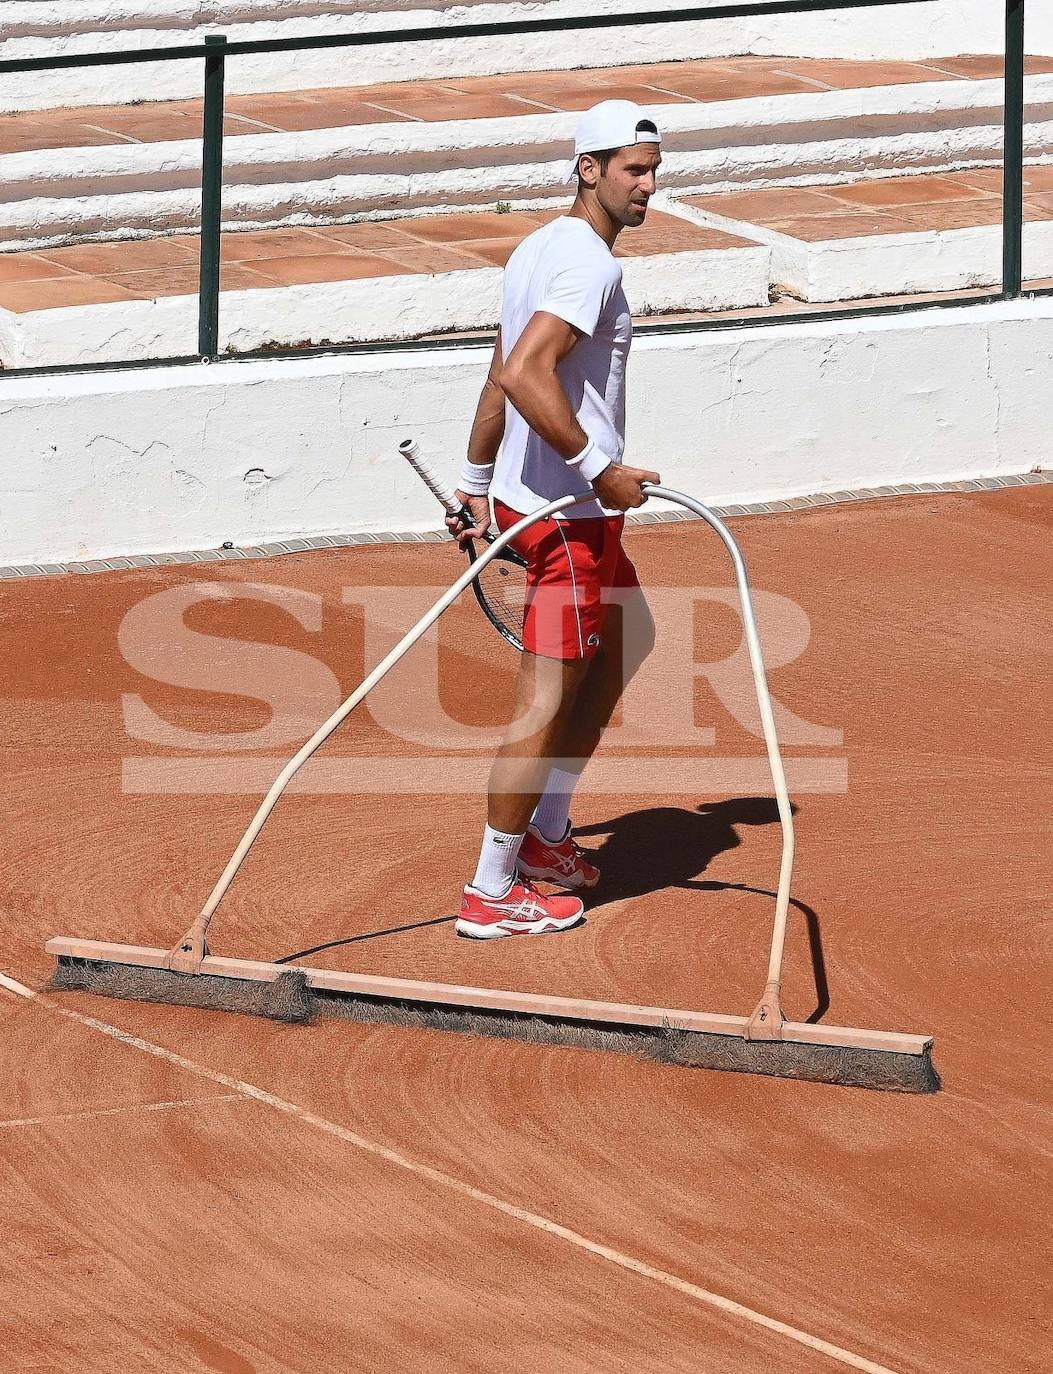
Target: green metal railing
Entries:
(216, 50)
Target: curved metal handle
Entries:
(767, 1018)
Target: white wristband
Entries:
(590, 462)
(475, 478)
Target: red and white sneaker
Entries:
(561, 862)
(523, 910)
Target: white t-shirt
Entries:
(565, 269)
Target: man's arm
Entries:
(488, 427)
(530, 381)
(488, 430)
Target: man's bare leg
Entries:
(628, 638)
(546, 694)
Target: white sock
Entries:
(552, 813)
(497, 862)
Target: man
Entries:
(553, 404)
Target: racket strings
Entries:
(502, 585)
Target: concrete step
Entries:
(38, 28)
(772, 251)
(367, 282)
(890, 236)
(743, 125)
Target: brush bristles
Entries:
(288, 998)
(877, 1069)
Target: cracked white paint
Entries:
(38, 27)
(154, 460)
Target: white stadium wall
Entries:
(171, 459)
(36, 28)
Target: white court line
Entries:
(131, 1108)
(456, 1185)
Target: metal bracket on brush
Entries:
(189, 953)
(767, 1020)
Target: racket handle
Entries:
(410, 450)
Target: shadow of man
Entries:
(668, 846)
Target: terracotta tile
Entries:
(158, 281)
(117, 116)
(301, 271)
(823, 228)
(467, 227)
(643, 74)
(271, 243)
(367, 236)
(235, 276)
(641, 243)
(339, 114)
(259, 104)
(897, 191)
(975, 68)
(494, 251)
(1038, 207)
(433, 109)
(106, 259)
(963, 214)
(541, 82)
(183, 281)
(19, 136)
(717, 69)
(757, 207)
(725, 83)
(671, 232)
(26, 296)
(433, 260)
(154, 122)
(292, 116)
(649, 91)
(1038, 179)
(857, 75)
(547, 216)
(389, 92)
(581, 97)
(990, 68)
(165, 129)
(188, 241)
(326, 95)
(18, 267)
(987, 179)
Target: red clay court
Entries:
(190, 1191)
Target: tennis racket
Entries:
(500, 588)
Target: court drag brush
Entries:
(762, 1043)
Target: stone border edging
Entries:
(339, 541)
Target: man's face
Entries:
(629, 183)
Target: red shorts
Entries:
(573, 569)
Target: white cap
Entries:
(611, 124)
